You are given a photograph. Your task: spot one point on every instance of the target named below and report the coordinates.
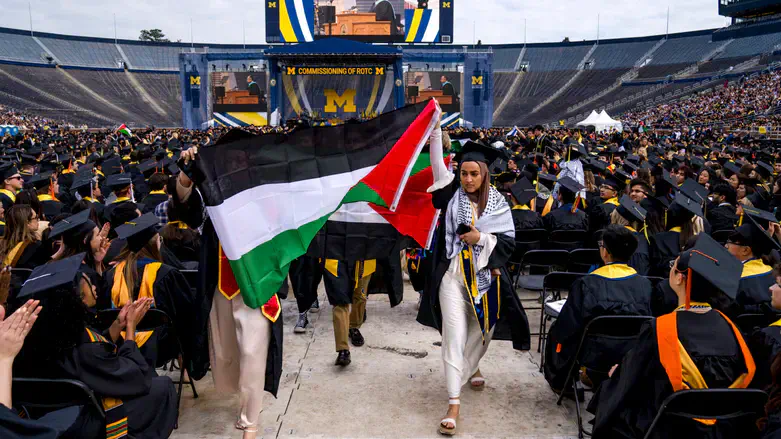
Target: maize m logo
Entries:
(334, 101)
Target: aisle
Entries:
(393, 388)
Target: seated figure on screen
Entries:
(383, 10)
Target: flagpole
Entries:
(115, 28)
(597, 28)
(667, 31)
(244, 33)
(30, 11)
(192, 42)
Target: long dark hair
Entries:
(79, 242)
(149, 251)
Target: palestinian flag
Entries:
(124, 130)
(269, 195)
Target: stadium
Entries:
(361, 227)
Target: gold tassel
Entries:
(548, 206)
(575, 204)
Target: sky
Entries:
(492, 21)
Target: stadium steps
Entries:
(51, 97)
(124, 57)
(507, 97)
(715, 52)
(96, 95)
(628, 76)
(47, 50)
(560, 91)
(145, 95)
(520, 59)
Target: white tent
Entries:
(601, 121)
(589, 120)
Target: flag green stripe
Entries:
(362, 192)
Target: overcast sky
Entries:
(495, 21)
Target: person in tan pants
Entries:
(349, 312)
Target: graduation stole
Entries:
(120, 200)
(120, 295)
(228, 287)
(755, 267)
(364, 269)
(414, 258)
(160, 192)
(680, 368)
(178, 224)
(116, 415)
(486, 311)
(520, 207)
(13, 256)
(47, 197)
(613, 201)
(9, 194)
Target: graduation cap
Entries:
(83, 184)
(506, 177)
(731, 168)
(546, 180)
(697, 163)
(595, 165)
(667, 180)
(764, 169)
(85, 169)
(682, 203)
(498, 166)
(477, 152)
(8, 170)
(694, 190)
(147, 166)
(119, 181)
(62, 274)
(112, 166)
(139, 231)
(654, 160)
(76, 224)
(616, 182)
(523, 191)
(571, 184)
(714, 263)
(41, 180)
(629, 167)
(630, 210)
(762, 217)
(575, 150)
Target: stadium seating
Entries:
(83, 53)
(23, 48)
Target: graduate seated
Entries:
(695, 347)
(140, 273)
(765, 343)
(614, 289)
(158, 194)
(631, 216)
(180, 239)
(721, 213)
(568, 216)
(751, 245)
(681, 226)
(612, 186)
(46, 187)
(61, 345)
(524, 218)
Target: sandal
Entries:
(477, 382)
(253, 429)
(443, 429)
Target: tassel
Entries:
(688, 303)
(740, 220)
(548, 206)
(575, 204)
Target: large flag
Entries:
(513, 132)
(268, 195)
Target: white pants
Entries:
(462, 341)
(238, 345)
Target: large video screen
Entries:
(443, 86)
(239, 98)
(377, 21)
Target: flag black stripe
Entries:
(229, 168)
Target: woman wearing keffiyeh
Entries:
(470, 288)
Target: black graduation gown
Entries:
(765, 345)
(722, 217)
(6, 201)
(641, 258)
(513, 323)
(614, 289)
(52, 208)
(306, 272)
(151, 201)
(754, 289)
(99, 211)
(563, 219)
(149, 401)
(192, 213)
(110, 208)
(761, 198)
(665, 247)
(525, 219)
(625, 405)
(173, 296)
(50, 426)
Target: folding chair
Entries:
(584, 260)
(748, 322)
(552, 286)
(721, 236)
(54, 394)
(154, 319)
(540, 261)
(741, 407)
(622, 331)
(525, 240)
(567, 239)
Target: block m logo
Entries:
(477, 80)
(379, 71)
(195, 81)
(272, 5)
(334, 101)
(291, 70)
(446, 5)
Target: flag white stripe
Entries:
(255, 216)
(432, 28)
(359, 212)
(305, 31)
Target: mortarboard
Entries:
(523, 191)
(714, 263)
(118, 181)
(694, 190)
(79, 223)
(41, 180)
(764, 169)
(683, 203)
(616, 182)
(731, 168)
(139, 231)
(630, 210)
(477, 152)
(546, 180)
(148, 165)
(112, 166)
(52, 276)
(571, 184)
(8, 170)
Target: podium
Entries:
(358, 24)
(238, 97)
(437, 95)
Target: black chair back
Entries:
(721, 236)
(558, 281)
(582, 260)
(525, 240)
(545, 260)
(735, 412)
(567, 239)
(747, 323)
(605, 341)
(53, 394)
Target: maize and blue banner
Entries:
(290, 21)
(8, 129)
(338, 96)
(422, 26)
